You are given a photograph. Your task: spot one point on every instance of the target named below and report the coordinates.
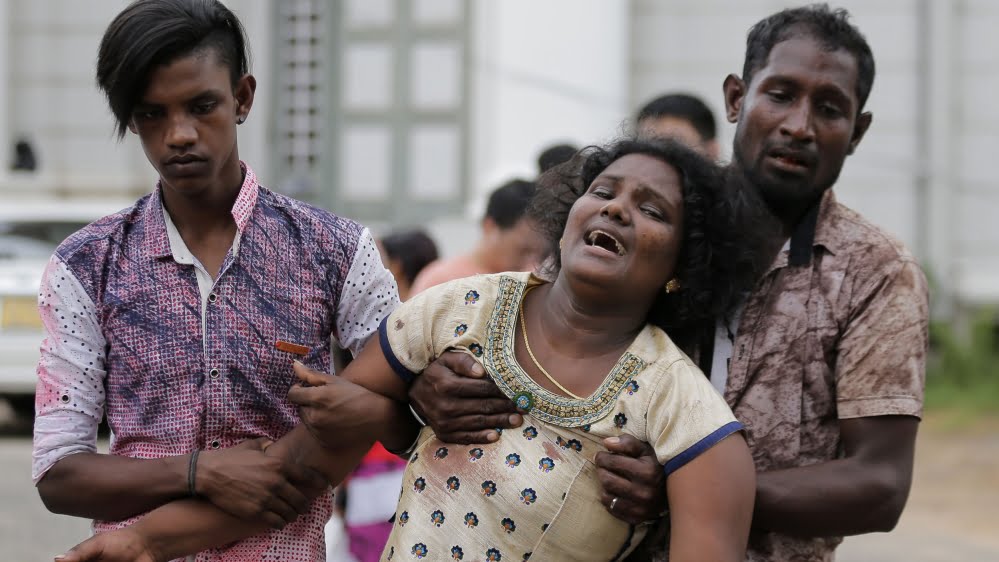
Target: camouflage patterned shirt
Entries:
(840, 332)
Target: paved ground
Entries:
(953, 512)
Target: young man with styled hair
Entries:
(177, 319)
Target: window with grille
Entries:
(372, 115)
(299, 108)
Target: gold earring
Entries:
(672, 286)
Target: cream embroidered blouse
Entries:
(534, 493)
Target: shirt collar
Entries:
(157, 239)
(813, 230)
(242, 209)
(825, 231)
(163, 239)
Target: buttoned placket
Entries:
(214, 392)
(748, 328)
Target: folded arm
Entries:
(342, 421)
(880, 368)
(861, 493)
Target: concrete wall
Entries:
(544, 72)
(973, 223)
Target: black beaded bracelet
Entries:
(192, 469)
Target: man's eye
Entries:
(147, 114)
(602, 193)
(830, 110)
(779, 95)
(203, 108)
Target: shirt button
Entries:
(212, 297)
(216, 444)
(214, 373)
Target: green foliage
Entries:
(962, 372)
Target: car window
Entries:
(34, 239)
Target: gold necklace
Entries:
(523, 330)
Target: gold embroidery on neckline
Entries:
(500, 361)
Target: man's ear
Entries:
(859, 130)
(735, 92)
(489, 225)
(243, 92)
(131, 127)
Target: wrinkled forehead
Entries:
(646, 171)
(806, 58)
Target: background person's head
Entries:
(683, 117)
(510, 241)
(799, 104)
(405, 253)
(716, 257)
(554, 155)
(175, 72)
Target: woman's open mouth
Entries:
(604, 240)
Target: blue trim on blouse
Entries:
(405, 374)
(696, 449)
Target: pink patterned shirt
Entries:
(138, 331)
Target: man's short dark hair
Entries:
(414, 249)
(831, 28)
(509, 202)
(688, 107)
(555, 155)
(149, 33)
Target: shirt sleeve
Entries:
(369, 294)
(686, 416)
(69, 397)
(411, 336)
(881, 359)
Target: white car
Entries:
(29, 234)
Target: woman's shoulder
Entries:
(488, 281)
(668, 368)
(659, 351)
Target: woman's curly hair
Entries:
(719, 252)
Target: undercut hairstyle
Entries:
(414, 249)
(509, 202)
(722, 232)
(831, 28)
(150, 33)
(555, 155)
(682, 106)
